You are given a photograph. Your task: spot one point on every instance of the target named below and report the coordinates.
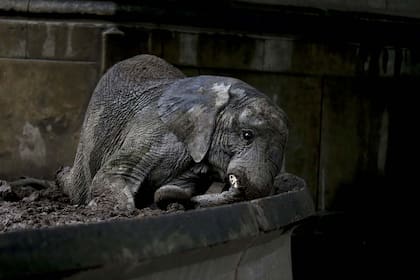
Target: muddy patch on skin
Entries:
(28, 208)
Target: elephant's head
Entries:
(238, 131)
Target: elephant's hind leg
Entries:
(74, 182)
(122, 176)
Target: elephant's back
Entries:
(143, 68)
(130, 78)
(126, 88)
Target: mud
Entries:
(29, 208)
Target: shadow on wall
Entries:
(379, 194)
(359, 239)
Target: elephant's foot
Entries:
(171, 194)
(117, 200)
(114, 192)
(64, 181)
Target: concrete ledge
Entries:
(261, 15)
(60, 7)
(239, 241)
(408, 8)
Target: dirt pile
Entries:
(29, 208)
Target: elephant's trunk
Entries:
(252, 182)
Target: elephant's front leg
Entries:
(120, 178)
(235, 193)
(214, 199)
(181, 189)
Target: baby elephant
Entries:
(150, 134)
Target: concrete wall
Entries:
(335, 83)
(47, 73)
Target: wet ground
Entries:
(29, 208)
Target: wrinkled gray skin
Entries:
(152, 135)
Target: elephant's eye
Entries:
(248, 135)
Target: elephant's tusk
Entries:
(233, 181)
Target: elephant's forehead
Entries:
(261, 113)
(248, 117)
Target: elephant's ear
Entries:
(190, 107)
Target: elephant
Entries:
(151, 135)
